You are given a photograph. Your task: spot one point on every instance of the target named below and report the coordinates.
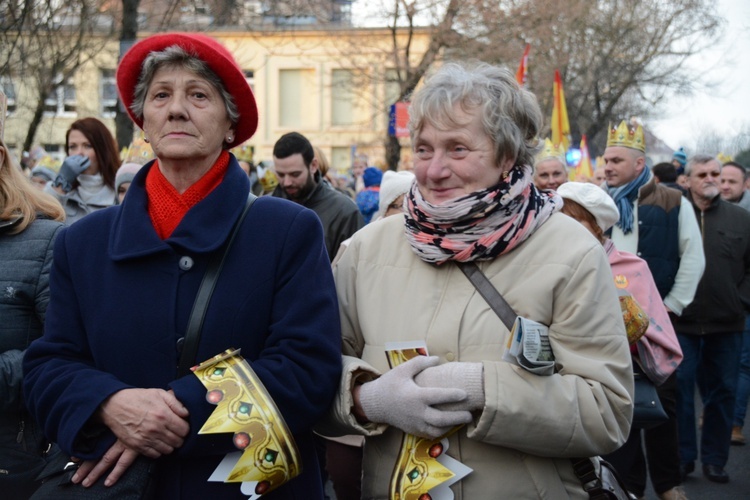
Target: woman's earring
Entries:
(145, 139)
(230, 138)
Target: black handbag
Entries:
(647, 409)
(138, 482)
(604, 485)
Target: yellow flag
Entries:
(560, 123)
(584, 168)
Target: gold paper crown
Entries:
(139, 152)
(243, 153)
(626, 137)
(49, 162)
(270, 456)
(724, 158)
(550, 151)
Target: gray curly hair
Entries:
(510, 114)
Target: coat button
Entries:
(180, 343)
(450, 356)
(186, 263)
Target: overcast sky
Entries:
(726, 108)
(723, 108)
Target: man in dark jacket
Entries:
(299, 180)
(710, 329)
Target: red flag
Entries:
(523, 66)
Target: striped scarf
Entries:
(625, 196)
(480, 225)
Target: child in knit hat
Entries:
(368, 199)
(123, 178)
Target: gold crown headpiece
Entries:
(724, 158)
(49, 162)
(243, 153)
(626, 137)
(551, 151)
(139, 151)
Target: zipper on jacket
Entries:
(703, 242)
(19, 438)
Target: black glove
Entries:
(71, 168)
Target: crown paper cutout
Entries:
(243, 153)
(422, 465)
(49, 162)
(551, 151)
(139, 151)
(268, 454)
(724, 158)
(626, 137)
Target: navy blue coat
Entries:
(120, 301)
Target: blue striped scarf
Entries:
(625, 196)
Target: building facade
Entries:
(335, 85)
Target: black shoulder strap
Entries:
(583, 467)
(195, 323)
(489, 293)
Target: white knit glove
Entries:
(397, 400)
(466, 376)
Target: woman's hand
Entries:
(151, 422)
(72, 167)
(396, 399)
(118, 458)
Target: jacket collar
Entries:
(714, 202)
(203, 229)
(647, 188)
(7, 225)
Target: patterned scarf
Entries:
(480, 225)
(625, 196)
(167, 207)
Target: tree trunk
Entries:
(392, 152)
(35, 121)
(123, 125)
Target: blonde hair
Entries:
(19, 198)
(323, 164)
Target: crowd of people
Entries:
(371, 308)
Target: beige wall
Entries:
(335, 118)
(362, 57)
(53, 126)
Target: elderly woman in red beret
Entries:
(104, 379)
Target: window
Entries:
(108, 93)
(342, 97)
(10, 92)
(250, 77)
(341, 158)
(296, 98)
(62, 100)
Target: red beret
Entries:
(215, 55)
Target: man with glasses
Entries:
(656, 223)
(710, 329)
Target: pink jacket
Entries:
(659, 351)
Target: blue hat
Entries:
(372, 176)
(680, 156)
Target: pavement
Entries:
(697, 487)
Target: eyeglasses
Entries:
(703, 175)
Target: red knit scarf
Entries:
(167, 207)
